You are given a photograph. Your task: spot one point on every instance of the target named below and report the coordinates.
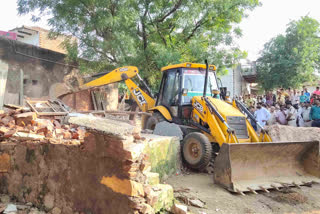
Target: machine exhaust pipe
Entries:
(206, 79)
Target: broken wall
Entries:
(108, 173)
(41, 68)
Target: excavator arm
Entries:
(144, 100)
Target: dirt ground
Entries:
(219, 200)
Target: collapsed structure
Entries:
(91, 164)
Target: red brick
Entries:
(24, 119)
(75, 135)
(9, 133)
(6, 120)
(44, 123)
(43, 129)
(67, 135)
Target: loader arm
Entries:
(206, 114)
(145, 101)
(264, 135)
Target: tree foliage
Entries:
(148, 34)
(290, 60)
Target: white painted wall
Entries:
(235, 82)
(32, 39)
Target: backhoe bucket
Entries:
(250, 167)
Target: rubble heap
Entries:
(280, 133)
(23, 125)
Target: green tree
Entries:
(148, 34)
(290, 60)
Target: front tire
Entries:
(196, 151)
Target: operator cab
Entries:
(180, 83)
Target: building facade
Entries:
(235, 82)
(40, 37)
(28, 70)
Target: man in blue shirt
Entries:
(306, 92)
(315, 114)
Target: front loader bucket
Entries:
(245, 167)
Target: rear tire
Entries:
(153, 120)
(196, 151)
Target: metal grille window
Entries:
(239, 125)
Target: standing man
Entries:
(249, 101)
(272, 119)
(315, 114)
(282, 96)
(303, 98)
(306, 92)
(281, 116)
(253, 123)
(306, 115)
(295, 98)
(317, 91)
(291, 115)
(262, 114)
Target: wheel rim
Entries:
(193, 151)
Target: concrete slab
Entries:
(104, 125)
(168, 129)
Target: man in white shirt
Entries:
(291, 115)
(306, 115)
(300, 120)
(262, 115)
(295, 98)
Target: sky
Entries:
(262, 24)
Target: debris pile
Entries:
(280, 133)
(25, 125)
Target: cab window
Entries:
(193, 80)
(170, 93)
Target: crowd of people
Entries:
(285, 107)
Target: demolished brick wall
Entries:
(106, 173)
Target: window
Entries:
(171, 89)
(34, 82)
(193, 80)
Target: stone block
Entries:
(179, 209)
(160, 197)
(163, 154)
(152, 178)
(168, 129)
(123, 186)
(4, 162)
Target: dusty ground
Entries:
(219, 200)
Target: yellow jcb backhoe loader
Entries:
(189, 97)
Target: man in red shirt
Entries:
(317, 91)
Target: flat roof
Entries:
(188, 65)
